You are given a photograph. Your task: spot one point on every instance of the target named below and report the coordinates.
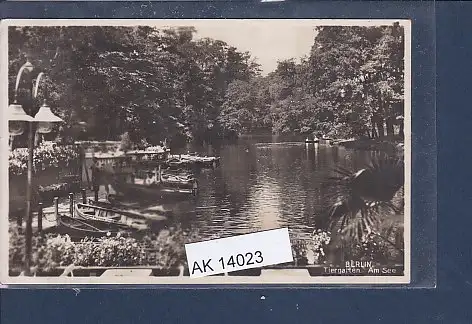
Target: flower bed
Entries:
(375, 249)
(100, 146)
(56, 173)
(312, 251)
(164, 250)
(46, 156)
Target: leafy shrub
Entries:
(311, 252)
(108, 252)
(320, 240)
(17, 246)
(378, 250)
(46, 156)
(126, 144)
(300, 252)
(167, 249)
(164, 250)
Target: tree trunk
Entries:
(380, 126)
(380, 117)
(374, 131)
(389, 123)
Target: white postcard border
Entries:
(284, 278)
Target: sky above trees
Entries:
(268, 42)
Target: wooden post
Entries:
(84, 196)
(29, 200)
(95, 183)
(71, 204)
(94, 172)
(85, 169)
(194, 187)
(56, 209)
(40, 217)
(80, 163)
(160, 173)
(19, 221)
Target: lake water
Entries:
(265, 182)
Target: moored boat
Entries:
(175, 163)
(113, 218)
(171, 180)
(192, 160)
(79, 229)
(155, 192)
(156, 212)
(143, 185)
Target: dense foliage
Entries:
(372, 248)
(163, 250)
(151, 83)
(311, 252)
(367, 210)
(378, 250)
(157, 84)
(350, 85)
(46, 156)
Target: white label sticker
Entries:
(239, 252)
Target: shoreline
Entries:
(377, 144)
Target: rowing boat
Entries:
(78, 229)
(155, 213)
(112, 218)
(171, 180)
(154, 192)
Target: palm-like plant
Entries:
(369, 201)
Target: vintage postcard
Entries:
(206, 151)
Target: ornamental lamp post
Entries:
(43, 119)
(17, 118)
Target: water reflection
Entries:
(264, 183)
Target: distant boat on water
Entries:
(312, 140)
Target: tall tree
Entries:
(148, 82)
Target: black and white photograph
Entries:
(129, 139)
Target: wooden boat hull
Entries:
(190, 161)
(153, 192)
(178, 182)
(126, 207)
(110, 218)
(78, 229)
